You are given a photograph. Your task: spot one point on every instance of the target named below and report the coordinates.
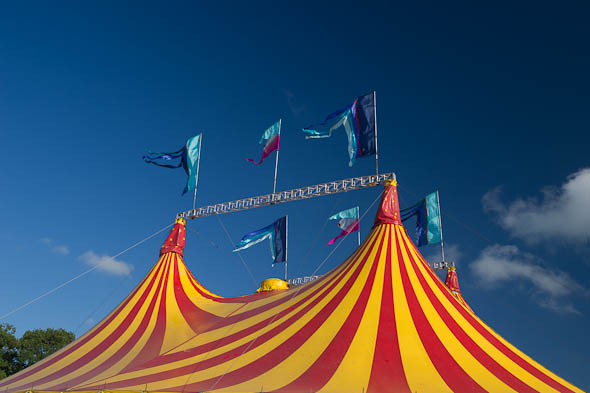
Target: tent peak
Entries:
(175, 240)
(388, 212)
(452, 282)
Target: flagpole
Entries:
(442, 244)
(198, 164)
(286, 244)
(376, 136)
(359, 225)
(274, 186)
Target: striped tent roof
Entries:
(381, 321)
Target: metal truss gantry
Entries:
(442, 265)
(296, 194)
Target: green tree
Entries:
(8, 350)
(37, 344)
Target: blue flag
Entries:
(358, 120)
(428, 229)
(189, 159)
(275, 232)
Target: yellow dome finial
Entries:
(391, 182)
(180, 220)
(270, 284)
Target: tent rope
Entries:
(83, 273)
(317, 238)
(239, 254)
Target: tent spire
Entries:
(175, 241)
(452, 282)
(388, 212)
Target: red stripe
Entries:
(268, 360)
(153, 346)
(453, 375)
(99, 348)
(477, 352)
(387, 373)
(322, 370)
(477, 325)
(198, 319)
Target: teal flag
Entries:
(432, 209)
(426, 211)
(193, 147)
(188, 157)
(353, 213)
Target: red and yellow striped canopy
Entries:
(382, 321)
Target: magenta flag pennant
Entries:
(270, 139)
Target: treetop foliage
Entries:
(17, 354)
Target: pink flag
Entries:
(270, 139)
(352, 227)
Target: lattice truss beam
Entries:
(296, 194)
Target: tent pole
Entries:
(442, 243)
(376, 136)
(274, 186)
(359, 224)
(286, 244)
(359, 234)
(198, 164)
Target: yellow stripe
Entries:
(420, 373)
(177, 329)
(354, 371)
(211, 306)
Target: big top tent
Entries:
(382, 321)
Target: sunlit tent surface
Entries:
(381, 321)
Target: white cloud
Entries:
(562, 214)
(58, 249)
(551, 288)
(106, 264)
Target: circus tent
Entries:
(382, 321)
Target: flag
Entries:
(270, 139)
(189, 158)
(428, 229)
(349, 222)
(275, 232)
(358, 120)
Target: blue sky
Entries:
(486, 104)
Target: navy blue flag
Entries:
(275, 232)
(358, 120)
(428, 229)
